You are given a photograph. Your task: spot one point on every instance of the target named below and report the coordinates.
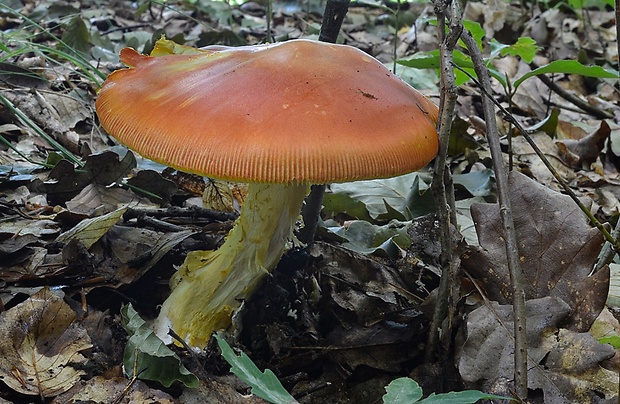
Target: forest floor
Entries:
(84, 250)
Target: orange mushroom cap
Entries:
(296, 111)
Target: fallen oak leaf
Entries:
(557, 249)
(563, 363)
(488, 351)
(89, 231)
(571, 373)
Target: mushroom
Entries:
(279, 117)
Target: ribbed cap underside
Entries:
(296, 111)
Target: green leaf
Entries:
(402, 391)
(264, 384)
(407, 391)
(496, 47)
(371, 239)
(525, 48)
(149, 356)
(613, 340)
(419, 201)
(344, 202)
(589, 4)
(430, 60)
(568, 67)
(461, 397)
(460, 140)
(76, 38)
(549, 125)
(476, 30)
(417, 78)
(380, 200)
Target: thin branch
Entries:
(510, 239)
(617, 2)
(567, 189)
(442, 181)
(606, 255)
(573, 99)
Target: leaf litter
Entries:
(41, 346)
(557, 250)
(332, 323)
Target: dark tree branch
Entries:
(310, 213)
(335, 11)
(442, 188)
(573, 99)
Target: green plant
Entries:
(400, 391)
(408, 391)
(525, 48)
(264, 384)
(71, 47)
(146, 357)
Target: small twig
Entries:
(192, 353)
(606, 255)
(312, 389)
(310, 212)
(395, 47)
(124, 29)
(573, 99)
(618, 33)
(133, 379)
(510, 238)
(268, 13)
(147, 221)
(175, 211)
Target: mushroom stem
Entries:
(210, 285)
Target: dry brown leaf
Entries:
(368, 320)
(97, 199)
(40, 344)
(584, 151)
(89, 231)
(528, 160)
(563, 363)
(138, 250)
(488, 351)
(105, 168)
(223, 195)
(557, 250)
(103, 391)
(571, 372)
(150, 181)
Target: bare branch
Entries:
(510, 238)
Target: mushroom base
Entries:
(210, 285)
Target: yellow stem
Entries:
(210, 285)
